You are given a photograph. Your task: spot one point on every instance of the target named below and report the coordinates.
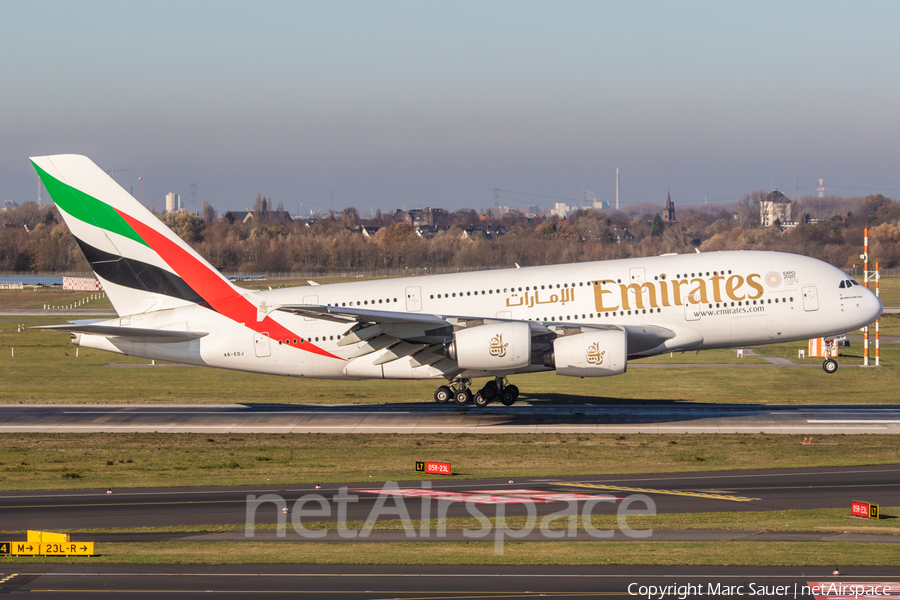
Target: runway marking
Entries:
(866, 421)
(299, 413)
(8, 577)
(392, 594)
(667, 492)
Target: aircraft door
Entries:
(413, 299)
(810, 298)
(691, 310)
(261, 345)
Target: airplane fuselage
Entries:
(701, 301)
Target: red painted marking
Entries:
(489, 496)
(451, 497)
(217, 292)
(547, 496)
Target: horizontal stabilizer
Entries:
(134, 334)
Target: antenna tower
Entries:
(617, 188)
(193, 200)
(821, 188)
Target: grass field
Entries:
(42, 461)
(825, 554)
(45, 369)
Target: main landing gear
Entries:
(459, 392)
(830, 365)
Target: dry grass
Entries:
(165, 460)
(482, 553)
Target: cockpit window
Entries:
(843, 284)
(854, 282)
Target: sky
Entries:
(390, 104)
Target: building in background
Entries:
(668, 214)
(775, 207)
(173, 202)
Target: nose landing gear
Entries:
(830, 365)
(458, 391)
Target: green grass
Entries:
(889, 291)
(45, 369)
(36, 298)
(40, 461)
(825, 554)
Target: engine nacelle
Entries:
(591, 354)
(496, 346)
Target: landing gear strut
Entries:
(458, 391)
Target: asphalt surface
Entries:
(426, 582)
(780, 489)
(414, 418)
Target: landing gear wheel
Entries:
(507, 397)
(830, 365)
(443, 394)
(513, 390)
(463, 396)
(480, 400)
(490, 391)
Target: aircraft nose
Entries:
(872, 306)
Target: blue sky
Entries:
(435, 104)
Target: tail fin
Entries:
(142, 265)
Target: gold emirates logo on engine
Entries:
(497, 346)
(595, 354)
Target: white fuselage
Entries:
(710, 300)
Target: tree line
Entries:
(35, 239)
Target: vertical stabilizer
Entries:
(141, 263)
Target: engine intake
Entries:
(496, 346)
(591, 354)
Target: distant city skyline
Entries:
(391, 104)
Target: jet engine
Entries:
(495, 346)
(592, 354)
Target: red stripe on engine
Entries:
(217, 292)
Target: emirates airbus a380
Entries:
(581, 320)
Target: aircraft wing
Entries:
(360, 315)
(420, 336)
(134, 334)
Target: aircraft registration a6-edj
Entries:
(581, 320)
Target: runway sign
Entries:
(51, 549)
(433, 468)
(864, 510)
(68, 549)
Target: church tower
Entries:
(668, 215)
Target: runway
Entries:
(665, 418)
(363, 582)
(762, 490)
